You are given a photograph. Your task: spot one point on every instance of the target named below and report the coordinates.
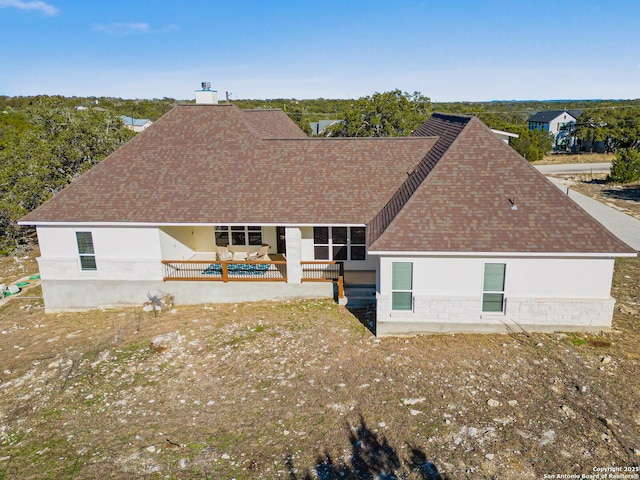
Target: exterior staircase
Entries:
(360, 295)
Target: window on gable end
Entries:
(402, 286)
(86, 251)
(493, 287)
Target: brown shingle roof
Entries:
(463, 205)
(448, 191)
(446, 129)
(208, 164)
(272, 124)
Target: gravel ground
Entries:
(303, 390)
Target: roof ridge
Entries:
(438, 122)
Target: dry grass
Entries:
(283, 390)
(561, 158)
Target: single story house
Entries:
(451, 228)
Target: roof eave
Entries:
(394, 253)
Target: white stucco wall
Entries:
(540, 293)
(110, 242)
(525, 277)
(129, 265)
(121, 253)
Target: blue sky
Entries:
(449, 50)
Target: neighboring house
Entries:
(559, 123)
(318, 128)
(136, 124)
(451, 228)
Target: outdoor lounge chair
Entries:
(224, 254)
(260, 254)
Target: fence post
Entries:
(225, 272)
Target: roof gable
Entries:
(272, 124)
(465, 205)
(445, 128)
(209, 164)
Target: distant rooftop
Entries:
(548, 115)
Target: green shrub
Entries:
(625, 167)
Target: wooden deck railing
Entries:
(248, 271)
(324, 271)
(245, 270)
(321, 270)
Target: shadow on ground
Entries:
(372, 457)
(631, 193)
(366, 316)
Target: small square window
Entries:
(238, 238)
(401, 300)
(255, 236)
(339, 235)
(339, 252)
(492, 302)
(222, 236)
(321, 235)
(321, 252)
(88, 262)
(358, 235)
(358, 252)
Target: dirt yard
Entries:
(625, 198)
(302, 390)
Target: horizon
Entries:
(470, 51)
(231, 100)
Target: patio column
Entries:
(293, 237)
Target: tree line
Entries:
(44, 145)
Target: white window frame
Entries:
(243, 229)
(86, 251)
(493, 291)
(330, 245)
(402, 289)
